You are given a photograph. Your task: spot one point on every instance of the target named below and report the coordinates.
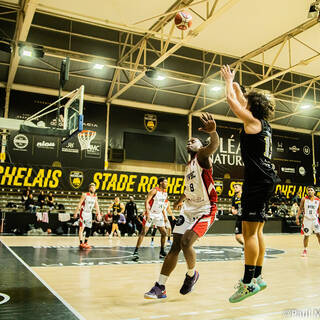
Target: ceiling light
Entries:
(98, 66)
(31, 51)
(216, 88)
(306, 106)
(160, 77)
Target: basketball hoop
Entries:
(85, 137)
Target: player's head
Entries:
(194, 145)
(131, 198)
(92, 187)
(310, 191)
(162, 182)
(116, 199)
(260, 105)
(237, 187)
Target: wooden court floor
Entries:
(115, 291)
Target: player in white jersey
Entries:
(167, 211)
(155, 214)
(86, 204)
(198, 210)
(310, 206)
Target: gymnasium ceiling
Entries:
(272, 43)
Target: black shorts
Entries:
(115, 218)
(238, 226)
(255, 201)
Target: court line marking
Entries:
(5, 297)
(66, 304)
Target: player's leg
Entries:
(145, 227)
(163, 241)
(117, 230)
(262, 249)
(247, 286)
(307, 229)
(81, 228)
(113, 229)
(158, 291)
(238, 231)
(154, 231)
(169, 231)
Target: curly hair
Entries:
(261, 106)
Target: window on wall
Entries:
(149, 147)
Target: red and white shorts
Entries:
(85, 219)
(310, 226)
(199, 219)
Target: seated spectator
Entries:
(50, 201)
(107, 219)
(282, 209)
(122, 224)
(25, 196)
(41, 199)
(30, 205)
(294, 210)
(274, 209)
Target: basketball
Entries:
(183, 20)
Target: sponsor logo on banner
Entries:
(20, 141)
(218, 185)
(294, 149)
(306, 150)
(288, 170)
(70, 148)
(94, 151)
(150, 122)
(280, 147)
(76, 179)
(46, 145)
(302, 171)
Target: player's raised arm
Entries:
(300, 210)
(79, 205)
(209, 127)
(233, 97)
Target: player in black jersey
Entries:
(117, 208)
(254, 109)
(236, 210)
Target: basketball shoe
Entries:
(304, 253)
(260, 282)
(157, 292)
(189, 283)
(244, 291)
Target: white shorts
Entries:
(157, 221)
(310, 226)
(196, 218)
(85, 219)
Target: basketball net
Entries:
(85, 137)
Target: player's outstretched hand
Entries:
(227, 74)
(209, 125)
(298, 222)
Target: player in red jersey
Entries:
(198, 210)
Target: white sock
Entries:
(162, 279)
(190, 272)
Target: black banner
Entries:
(46, 150)
(111, 182)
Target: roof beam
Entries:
(191, 34)
(24, 19)
(140, 105)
